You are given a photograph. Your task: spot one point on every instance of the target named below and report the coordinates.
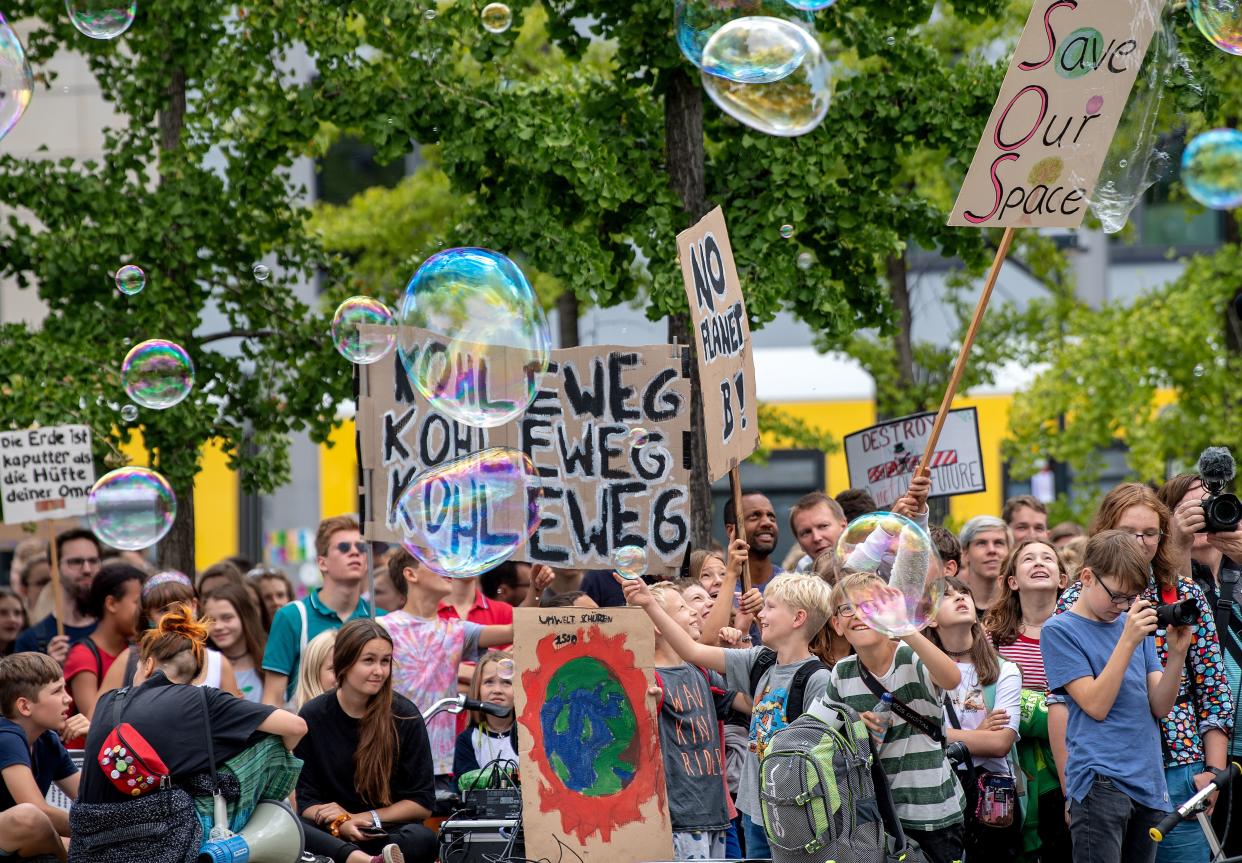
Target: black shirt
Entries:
(170, 717)
(327, 752)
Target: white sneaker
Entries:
(390, 854)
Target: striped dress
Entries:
(925, 791)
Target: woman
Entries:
(1196, 732)
(275, 591)
(12, 619)
(110, 826)
(367, 782)
(238, 635)
(113, 601)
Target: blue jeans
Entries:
(733, 848)
(1109, 827)
(1186, 843)
(756, 839)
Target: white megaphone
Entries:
(272, 835)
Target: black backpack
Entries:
(794, 706)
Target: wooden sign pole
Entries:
(735, 485)
(57, 596)
(960, 366)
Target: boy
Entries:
(926, 795)
(34, 701)
(1101, 658)
(795, 608)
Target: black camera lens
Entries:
(957, 752)
(1182, 613)
(1222, 512)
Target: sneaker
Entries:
(390, 854)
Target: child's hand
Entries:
(887, 604)
(751, 602)
(635, 590)
(739, 552)
(1178, 638)
(917, 493)
(76, 725)
(873, 723)
(58, 648)
(997, 720)
(730, 635)
(541, 577)
(1140, 623)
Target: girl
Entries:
(275, 591)
(365, 752)
(489, 739)
(238, 635)
(216, 575)
(12, 619)
(316, 675)
(113, 601)
(983, 712)
(708, 569)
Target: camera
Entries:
(957, 753)
(1221, 511)
(1184, 613)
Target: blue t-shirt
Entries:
(49, 762)
(1125, 747)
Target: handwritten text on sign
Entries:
(45, 472)
(722, 335)
(884, 457)
(1044, 144)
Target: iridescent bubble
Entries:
(101, 19)
(1199, 370)
(470, 514)
(16, 79)
(261, 272)
(787, 231)
(496, 18)
(639, 436)
(131, 508)
(908, 580)
(810, 5)
(805, 260)
(504, 669)
(357, 344)
(1212, 169)
(1220, 21)
(157, 374)
(473, 336)
(630, 561)
(129, 413)
(792, 106)
(429, 15)
(698, 20)
(130, 279)
(755, 50)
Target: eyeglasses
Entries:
(1119, 599)
(81, 562)
(1147, 536)
(344, 547)
(845, 610)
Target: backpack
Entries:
(797, 687)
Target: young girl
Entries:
(489, 739)
(12, 619)
(238, 635)
(113, 601)
(708, 569)
(367, 782)
(316, 675)
(275, 591)
(983, 712)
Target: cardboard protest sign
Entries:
(45, 472)
(883, 458)
(599, 492)
(1044, 144)
(589, 743)
(722, 335)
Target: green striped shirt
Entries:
(925, 791)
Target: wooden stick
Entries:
(960, 366)
(735, 485)
(57, 597)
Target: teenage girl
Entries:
(316, 674)
(113, 601)
(489, 739)
(238, 635)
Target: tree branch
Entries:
(236, 334)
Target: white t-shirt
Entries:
(971, 706)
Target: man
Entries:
(759, 519)
(79, 556)
(817, 522)
(855, 502)
(507, 582)
(1027, 518)
(985, 542)
(342, 563)
(1060, 535)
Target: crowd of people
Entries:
(1044, 681)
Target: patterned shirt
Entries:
(1203, 701)
(1025, 654)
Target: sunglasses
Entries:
(344, 547)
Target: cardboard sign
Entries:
(1044, 144)
(722, 334)
(599, 491)
(589, 743)
(45, 473)
(884, 457)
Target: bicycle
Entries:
(1196, 807)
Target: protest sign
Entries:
(883, 458)
(1044, 144)
(599, 491)
(45, 473)
(589, 744)
(722, 335)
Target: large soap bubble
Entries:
(630, 561)
(1220, 21)
(130, 279)
(792, 106)
(467, 515)
(358, 345)
(16, 79)
(698, 20)
(1212, 169)
(157, 373)
(101, 19)
(131, 508)
(496, 17)
(909, 580)
(473, 337)
(755, 50)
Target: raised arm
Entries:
(944, 671)
(637, 594)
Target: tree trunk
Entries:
(899, 289)
(1233, 310)
(176, 550)
(567, 314)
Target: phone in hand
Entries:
(373, 832)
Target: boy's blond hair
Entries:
(851, 585)
(807, 593)
(661, 591)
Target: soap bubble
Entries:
(131, 508)
(805, 260)
(698, 20)
(1212, 169)
(157, 373)
(787, 231)
(909, 579)
(639, 436)
(130, 280)
(1220, 21)
(261, 272)
(429, 15)
(755, 50)
(496, 18)
(129, 413)
(101, 19)
(470, 514)
(352, 342)
(630, 561)
(504, 669)
(473, 336)
(16, 79)
(786, 108)
(810, 5)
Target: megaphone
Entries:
(272, 835)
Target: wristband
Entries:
(375, 820)
(335, 827)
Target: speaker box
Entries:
(480, 841)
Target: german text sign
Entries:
(722, 335)
(45, 472)
(1044, 144)
(884, 457)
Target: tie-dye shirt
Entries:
(426, 653)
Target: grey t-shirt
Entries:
(690, 715)
(768, 715)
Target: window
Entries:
(788, 474)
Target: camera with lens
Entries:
(1184, 613)
(1221, 511)
(957, 753)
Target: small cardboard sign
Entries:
(884, 457)
(722, 335)
(45, 473)
(1044, 144)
